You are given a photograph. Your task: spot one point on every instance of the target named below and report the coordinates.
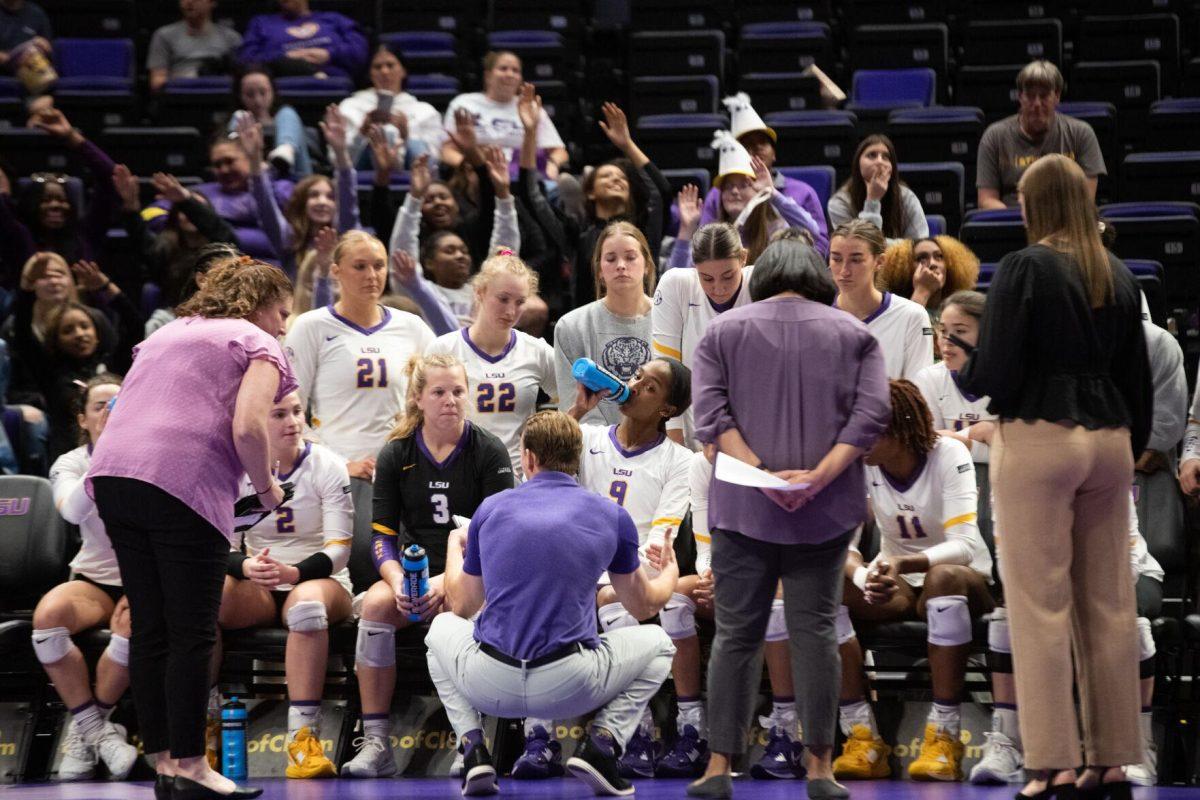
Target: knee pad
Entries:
(998, 641)
(949, 620)
(118, 650)
(845, 628)
(613, 616)
(678, 617)
(376, 646)
(308, 616)
(52, 644)
(1146, 649)
(776, 623)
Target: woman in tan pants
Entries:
(1063, 358)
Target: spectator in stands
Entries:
(192, 47)
(1009, 146)
(300, 41)
(875, 193)
(407, 122)
(254, 93)
(25, 47)
(759, 140)
(48, 276)
(927, 270)
(497, 122)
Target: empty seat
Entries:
(94, 18)
(998, 42)
(673, 95)
(679, 141)
(1173, 124)
(33, 543)
(679, 178)
(543, 54)
(425, 51)
(822, 179)
(1125, 84)
(94, 63)
(196, 102)
(567, 18)
(677, 53)
(781, 91)
(310, 96)
(148, 150)
(28, 150)
(1152, 278)
(784, 47)
(1009, 9)
(454, 16)
(816, 137)
(12, 109)
(1132, 38)
(940, 133)
(993, 234)
(1161, 176)
(939, 187)
(437, 90)
(665, 15)
(750, 11)
(994, 89)
(1167, 232)
(1103, 119)
(937, 224)
(887, 89)
(562, 106)
(894, 12)
(888, 47)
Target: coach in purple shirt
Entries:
(787, 385)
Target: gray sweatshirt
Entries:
(619, 344)
(915, 224)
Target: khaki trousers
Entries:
(1062, 510)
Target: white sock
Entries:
(300, 716)
(1004, 720)
(378, 727)
(533, 722)
(947, 718)
(860, 713)
(691, 712)
(89, 721)
(647, 724)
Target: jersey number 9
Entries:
(617, 491)
(372, 373)
(492, 398)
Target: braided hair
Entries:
(912, 424)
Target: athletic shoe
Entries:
(542, 757)
(781, 760)
(457, 766)
(117, 754)
(864, 757)
(479, 776)
(599, 770)
(79, 758)
(1146, 773)
(639, 757)
(373, 760)
(306, 757)
(940, 759)
(687, 758)
(1000, 762)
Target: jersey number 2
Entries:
(441, 508)
(284, 521)
(372, 373)
(918, 531)
(492, 398)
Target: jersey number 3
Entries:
(441, 508)
(492, 398)
(372, 373)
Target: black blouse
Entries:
(1045, 354)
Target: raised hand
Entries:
(877, 184)
(88, 276)
(387, 159)
(419, 177)
(324, 243)
(616, 127)
(126, 184)
(404, 268)
(690, 207)
(529, 107)
(169, 187)
(464, 131)
(53, 122)
(762, 175)
(497, 166)
(250, 134)
(333, 128)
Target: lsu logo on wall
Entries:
(14, 506)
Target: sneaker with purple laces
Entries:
(542, 757)
(687, 757)
(639, 757)
(781, 761)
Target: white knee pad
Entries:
(118, 650)
(613, 616)
(52, 644)
(1146, 649)
(998, 641)
(949, 620)
(678, 617)
(776, 624)
(376, 646)
(845, 628)
(308, 616)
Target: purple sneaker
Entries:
(639, 757)
(687, 758)
(542, 757)
(781, 761)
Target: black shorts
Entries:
(115, 593)
(1149, 597)
(280, 598)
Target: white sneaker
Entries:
(373, 760)
(79, 758)
(1001, 761)
(1146, 773)
(116, 753)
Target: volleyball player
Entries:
(932, 564)
(436, 464)
(902, 327)
(293, 571)
(92, 596)
(507, 367)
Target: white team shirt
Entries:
(937, 509)
(905, 333)
(95, 559)
(460, 301)
(354, 377)
(700, 475)
(679, 317)
(505, 387)
(650, 483)
(1141, 562)
(951, 409)
(319, 516)
(499, 124)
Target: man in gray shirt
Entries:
(1009, 146)
(183, 49)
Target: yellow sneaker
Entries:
(306, 757)
(864, 757)
(212, 742)
(940, 759)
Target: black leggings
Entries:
(172, 564)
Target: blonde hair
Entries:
(503, 263)
(863, 230)
(1060, 211)
(35, 267)
(1040, 73)
(235, 288)
(962, 266)
(555, 439)
(353, 238)
(417, 373)
(623, 229)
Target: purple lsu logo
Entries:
(14, 506)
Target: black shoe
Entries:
(188, 789)
(598, 770)
(479, 776)
(1114, 790)
(162, 787)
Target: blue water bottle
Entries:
(416, 575)
(233, 740)
(597, 378)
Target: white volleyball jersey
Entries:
(95, 559)
(460, 301)
(504, 388)
(700, 476)
(1141, 562)
(651, 483)
(938, 505)
(952, 410)
(905, 333)
(679, 317)
(320, 514)
(354, 377)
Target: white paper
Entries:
(732, 470)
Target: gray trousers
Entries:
(619, 678)
(746, 572)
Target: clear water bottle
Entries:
(416, 575)
(598, 379)
(233, 740)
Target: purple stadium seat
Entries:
(887, 89)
